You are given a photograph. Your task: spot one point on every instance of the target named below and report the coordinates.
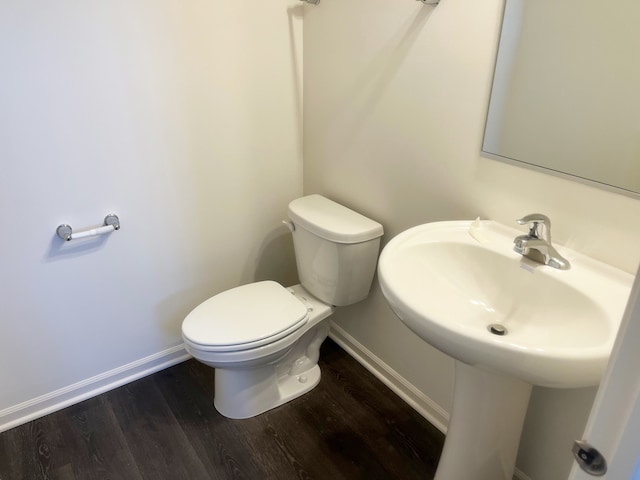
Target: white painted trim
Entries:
(425, 406)
(519, 475)
(64, 397)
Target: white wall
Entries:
(395, 96)
(184, 118)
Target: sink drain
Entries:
(497, 329)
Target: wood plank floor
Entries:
(165, 427)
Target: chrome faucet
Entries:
(536, 245)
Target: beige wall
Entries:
(183, 117)
(395, 96)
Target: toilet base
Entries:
(247, 393)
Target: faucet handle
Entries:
(535, 219)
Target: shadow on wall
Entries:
(275, 260)
(172, 310)
(59, 249)
(296, 13)
(369, 87)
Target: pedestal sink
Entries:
(509, 322)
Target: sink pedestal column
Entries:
(486, 422)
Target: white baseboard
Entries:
(57, 400)
(425, 406)
(518, 475)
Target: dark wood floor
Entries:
(165, 427)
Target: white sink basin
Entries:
(448, 286)
(450, 281)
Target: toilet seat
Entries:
(244, 317)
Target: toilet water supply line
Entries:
(110, 224)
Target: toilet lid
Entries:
(256, 314)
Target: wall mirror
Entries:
(566, 91)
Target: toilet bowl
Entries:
(257, 374)
(264, 339)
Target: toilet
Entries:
(264, 339)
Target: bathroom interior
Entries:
(199, 122)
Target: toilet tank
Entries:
(336, 249)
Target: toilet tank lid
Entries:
(332, 221)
